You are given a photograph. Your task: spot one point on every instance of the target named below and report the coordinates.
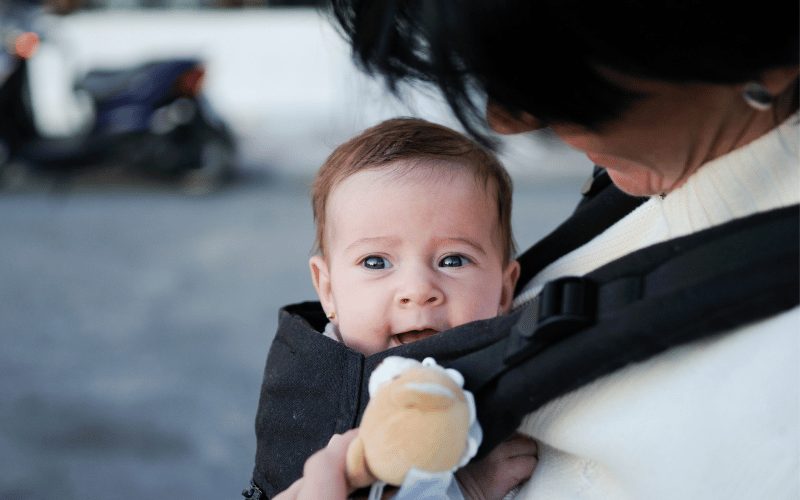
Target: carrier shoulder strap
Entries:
(602, 205)
(580, 328)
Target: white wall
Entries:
(282, 78)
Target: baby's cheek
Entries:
(477, 309)
(362, 331)
(490, 306)
(366, 344)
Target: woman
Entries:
(691, 104)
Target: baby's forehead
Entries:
(450, 188)
(401, 189)
(420, 172)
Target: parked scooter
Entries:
(151, 123)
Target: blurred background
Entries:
(138, 298)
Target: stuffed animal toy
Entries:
(419, 418)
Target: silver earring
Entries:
(757, 96)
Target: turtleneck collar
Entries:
(760, 176)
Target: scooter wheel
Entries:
(216, 168)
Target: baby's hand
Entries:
(507, 466)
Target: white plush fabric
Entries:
(714, 419)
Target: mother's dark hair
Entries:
(542, 56)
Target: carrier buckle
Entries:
(252, 493)
(561, 308)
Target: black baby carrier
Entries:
(576, 330)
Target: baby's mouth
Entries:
(414, 335)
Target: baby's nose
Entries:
(420, 291)
(411, 299)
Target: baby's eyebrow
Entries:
(466, 241)
(389, 241)
(373, 240)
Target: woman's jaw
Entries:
(638, 180)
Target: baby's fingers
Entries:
(511, 463)
(517, 445)
(515, 459)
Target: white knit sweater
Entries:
(715, 419)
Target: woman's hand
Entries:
(324, 473)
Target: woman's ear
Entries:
(321, 276)
(510, 277)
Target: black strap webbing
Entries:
(578, 329)
(603, 205)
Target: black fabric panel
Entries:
(302, 366)
(315, 387)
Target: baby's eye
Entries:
(453, 261)
(375, 262)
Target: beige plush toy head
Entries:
(418, 416)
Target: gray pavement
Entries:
(135, 323)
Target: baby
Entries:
(413, 238)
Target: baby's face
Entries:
(411, 255)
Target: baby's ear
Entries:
(321, 276)
(510, 277)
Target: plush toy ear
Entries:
(358, 473)
(423, 396)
